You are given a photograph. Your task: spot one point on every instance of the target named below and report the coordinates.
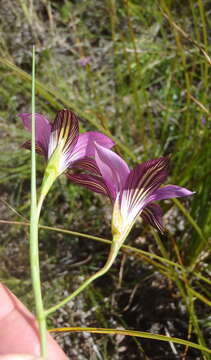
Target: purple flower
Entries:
(84, 61)
(60, 142)
(203, 121)
(132, 192)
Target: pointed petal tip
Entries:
(108, 144)
(169, 192)
(178, 191)
(102, 139)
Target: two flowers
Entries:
(133, 193)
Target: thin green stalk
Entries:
(190, 301)
(25, 11)
(141, 334)
(136, 84)
(181, 52)
(205, 73)
(39, 206)
(160, 244)
(203, 242)
(115, 246)
(146, 254)
(195, 323)
(34, 226)
(200, 297)
(143, 254)
(201, 277)
(120, 127)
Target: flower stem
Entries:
(36, 283)
(39, 206)
(34, 222)
(115, 246)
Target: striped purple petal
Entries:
(64, 136)
(113, 168)
(168, 192)
(86, 144)
(141, 183)
(88, 164)
(38, 147)
(42, 129)
(91, 182)
(152, 214)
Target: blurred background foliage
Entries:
(137, 70)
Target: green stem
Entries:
(36, 283)
(34, 226)
(115, 246)
(39, 206)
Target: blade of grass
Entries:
(188, 299)
(205, 39)
(166, 12)
(167, 272)
(195, 226)
(200, 297)
(140, 334)
(96, 238)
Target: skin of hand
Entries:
(19, 332)
(19, 357)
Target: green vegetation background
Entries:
(138, 70)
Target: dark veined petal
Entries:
(153, 214)
(38, 148)
(88, 164)
(64, 136)
(91, 182)
(42, 129)
(142, 182)
(86, 144)
(168, 192)
(113, 168)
